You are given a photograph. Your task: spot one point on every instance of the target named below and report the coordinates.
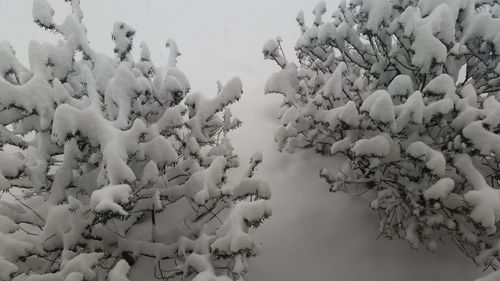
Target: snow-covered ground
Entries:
(313, 234)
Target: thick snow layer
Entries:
(249, 186)
(270, 47)
(379, 11)
(333, 87)
(401, 85)
(271, 50)
(484, 140)
(485, 26)
(379, 106)
(43, 13)
(443, 86)
(411, 112)
(442, 106)
(64, 225)
(342, 145)
(347, 113)
(122, 88)
(428, 49)
(7, 225)
(468, 110)
(123, 36)
(202, 185)
(491, 108)
(10, 165)
(434, 160)
(119, 272)
(109, 197)
(284, 82)
(484, 199)
(201, 108)
(160, 151)
(6, 269)
(378, 146)
(318, 11)
(326, 32)
(486, 203)
(232, 237)
(306, 39)
(440, 189)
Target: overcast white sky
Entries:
(219, 38)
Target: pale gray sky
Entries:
(219, 38)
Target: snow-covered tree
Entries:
(407, 92)
(108, 161)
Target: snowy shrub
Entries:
(108, 162)
(407, 93)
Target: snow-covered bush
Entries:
(407, 93)
(108, 161)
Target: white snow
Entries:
(109, 197)
(486, 203)
(443, 85)
(326, 32)
(248, 186)
(64, 225)
(401, 85)
(346, 113)
(491, 111)
(379, 107)
(484, 199)
(284, 82)
(379, 11)
(482, 25)
(411, 111)
(6, 269)
(484, 140)
(434, 160)
(442, 106)
(203, 184)
(378, 146)
(427, 49)
(342, 145)
(119, 272)
(232, 237)
(440, 189)
(10, 165)
(333, 87)
(43, 13)
(318, 11)
(201, 108)
(122, 35)
(159, 150)
(271, 50)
